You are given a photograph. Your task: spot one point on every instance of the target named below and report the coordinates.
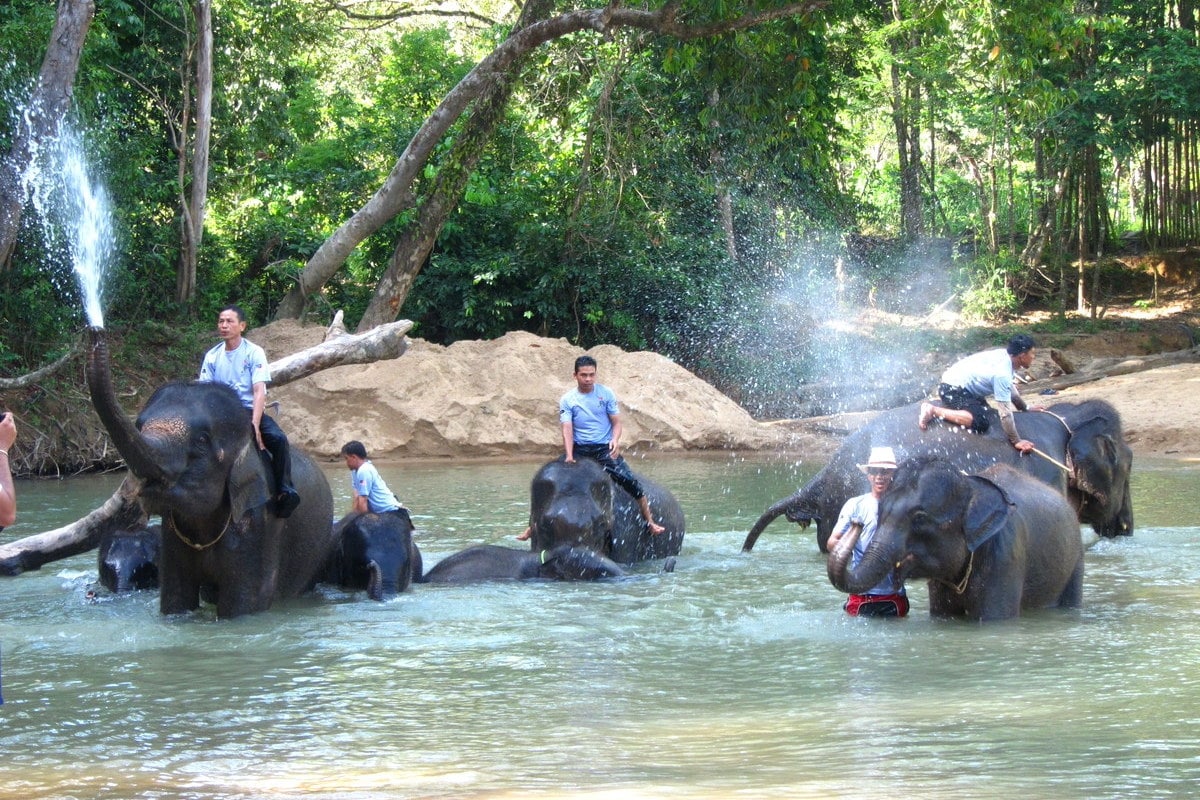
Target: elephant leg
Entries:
(179, 589)
(1072, 594)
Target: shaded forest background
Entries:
(715, 182)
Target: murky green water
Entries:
(735, 676)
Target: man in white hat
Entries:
(887, 599)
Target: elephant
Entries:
(991, 545)
(128, 558)
(375, 552)
(192, 449)
(487, 562)
(840, 479)
(1101, 463)
(577, 503)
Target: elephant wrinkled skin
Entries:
(577, 503)
(992, 545)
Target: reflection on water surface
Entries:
(738, 673)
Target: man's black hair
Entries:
(354, 448)
(1021, 343)
(241, 315)
(584, 361)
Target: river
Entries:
(737, 675)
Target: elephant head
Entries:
(931, 520)
(1101, 463)
(578, 504)
(377, 553)
(572, 503)
(127, 560)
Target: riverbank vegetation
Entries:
(716, 182)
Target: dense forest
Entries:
(696, 177)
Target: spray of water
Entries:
(74, 213)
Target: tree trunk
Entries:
(418, 239)
(906, 114)
(396, 192)
(193, 210)
(49, 103)
(119, 511)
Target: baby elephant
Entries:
(128, 559)
(375, 552)
(489, 562)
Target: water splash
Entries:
(74, 213)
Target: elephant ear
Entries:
(987, 512)
(247, 483)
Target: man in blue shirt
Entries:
(591, 428)
(370, 492)
(242, 366)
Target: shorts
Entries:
(877, 605)
(960, 399)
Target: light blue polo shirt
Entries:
(984, 373)
(589, 414)
(366, 482)
(239, 369)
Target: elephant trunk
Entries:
(374, 581)
(876, 563)
(769, 516)
(129, 443)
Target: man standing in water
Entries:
(887, 599)
(242, 366)
(967, 383)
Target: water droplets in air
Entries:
(74, 213)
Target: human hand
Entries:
(1025, 446)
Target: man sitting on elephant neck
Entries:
(591, 428)
(242, 366)
(887, 599)
(370, 492)
(967, 383)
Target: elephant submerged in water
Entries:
(375, 552)
(192, 449)
(991, 545)
(488, 562)
(577, 503)
(127, 559)
(822, 497)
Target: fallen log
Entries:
(122, 510)
(1111, 368)
(341, 348)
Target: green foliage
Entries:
(987, 294)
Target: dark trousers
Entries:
(276, 442)
(615, 467)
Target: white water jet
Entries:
(74, 213)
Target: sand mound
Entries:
(498, 398)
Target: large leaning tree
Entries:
(479, 100)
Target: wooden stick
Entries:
(1053, 461)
